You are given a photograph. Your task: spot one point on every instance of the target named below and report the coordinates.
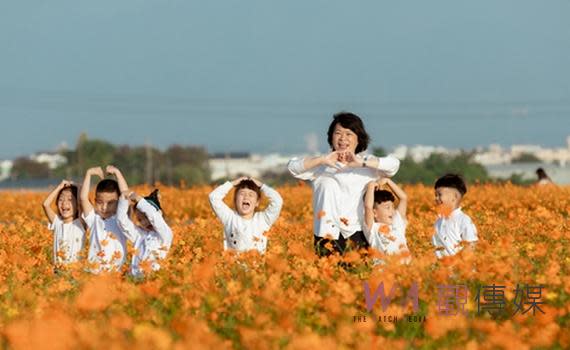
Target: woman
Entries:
(543, 179)
(339, 182)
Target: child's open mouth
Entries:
(245, 205)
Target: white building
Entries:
(5, 169)
(547, 155)
(494, 155)
(53, 160)
(421, 152)
(230, 166)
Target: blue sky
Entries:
(261, 75)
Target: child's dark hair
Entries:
(249, 184)
(108, 186)
(452, 181)
(382, 196)
(353, 122)
(154, 199)
(73, 189)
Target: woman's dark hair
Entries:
(353, 122)
(541, 174)
(74, 191)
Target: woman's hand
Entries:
(352, 160)
(331, 159)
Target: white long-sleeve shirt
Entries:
(68, 240)
(108, 244)
(338, 202)
(150, 246)
(451, 231)
(242, 234)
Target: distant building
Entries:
(547, 155)
(53, 160)
(494, 155)
(421, 152)
(5, 169)
(231, 165)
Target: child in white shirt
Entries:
(244, 228)
(152, 237)
(108, 244)
(453, 226)
(68, 230)
(385, 226)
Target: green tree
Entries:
(436, 165)
(139, 164)
(132, 163)
(186, 163)
(379, 152)
(412, 172)
(88, 153)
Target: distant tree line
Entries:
(436, 165)
(188, 165)
(424, 172)
(177, 165)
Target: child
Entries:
(107, 247)
(152, 237)
(68, 230)
(453, 226)
(385, 226)
(244, 228)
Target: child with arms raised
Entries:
(385, 225)
(244, 228)
(68, 230)
(108, 244)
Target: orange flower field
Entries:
(206, 298)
